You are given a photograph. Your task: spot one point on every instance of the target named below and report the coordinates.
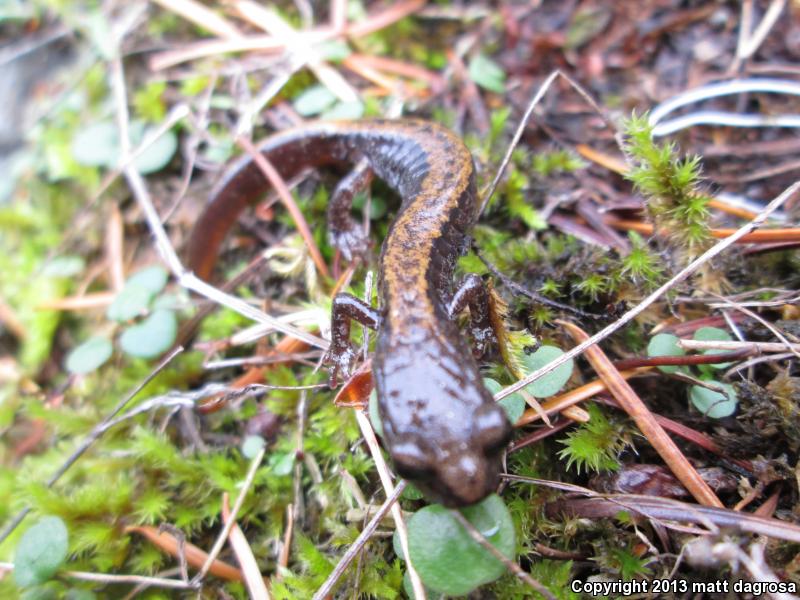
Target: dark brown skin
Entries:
(441, 426)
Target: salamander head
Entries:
(458, 463)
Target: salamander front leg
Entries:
(341, 353)
(344, 232)
(473, 293)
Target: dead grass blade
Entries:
(645, 421)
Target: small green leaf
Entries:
(89, 356)
(713, 334)
(344, 111)
(487, 73)
(131, 302)
(152, 278)
(252, 445)
(218, 150)
(64, 266)
(153, 336)
(282, 462)
(551, 383)
(665, 344)
(313, 100)
(514, 405)
(40, 552)
(96, 145)
(168, 301)
(134, 299)
(158, 154)
(713, 404)
(447, 559)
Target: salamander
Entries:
(441, 426)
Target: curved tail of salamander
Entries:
(397, 151)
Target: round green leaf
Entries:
(514, 405)
(41, 551)
(282, 462)
(153, 336)
(64, 266)
(313, 100)
(131, 302)
(96, 145)
(252, 445)
(551, 383)
(447, 559)
(158, 154)
(487, 73)
(217, 151)
(344, 111)
(665, 344)
(152, 278)
(168, 301)
(713, 334)
(713, 404)
(89, 355)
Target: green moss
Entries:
(671, 185)
(595, 445)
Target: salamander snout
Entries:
(473, 474)
(460, 470)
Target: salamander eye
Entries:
(411, 461)
(491, 428)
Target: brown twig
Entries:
(256, 587)
(226, 529)
(180, 549)
(756, 237)
(645, 421)
(663, 361)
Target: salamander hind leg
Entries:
(344, 232)
(341, 353)
(472, 292)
